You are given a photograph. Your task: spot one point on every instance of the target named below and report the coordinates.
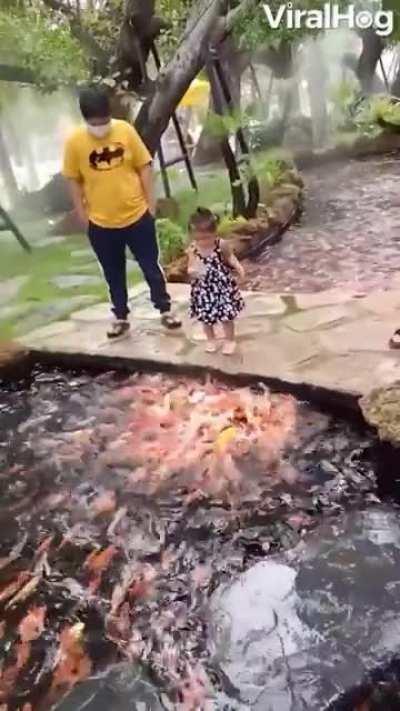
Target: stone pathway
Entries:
(333, 340)
(348, 236)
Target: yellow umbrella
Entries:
(197, 94)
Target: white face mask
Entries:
(99, 131)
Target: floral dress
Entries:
(215, 295)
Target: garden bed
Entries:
(280, 205)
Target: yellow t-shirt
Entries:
(107, 168)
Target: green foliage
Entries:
(227, 224)
(104, 24)
(31, 40)
(345, 97)
(393, 6)
(171, 238)
(252, 29)
(176, 12)
(353, 112)
(383, 107)
(271, 170)
(221, 126)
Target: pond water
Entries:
(129, 504)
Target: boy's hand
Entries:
(240, 272)
(82, 217)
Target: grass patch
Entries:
(214, 190)
(32, 305)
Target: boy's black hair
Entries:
(94, 102)
(203, 218)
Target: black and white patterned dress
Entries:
(215, 295)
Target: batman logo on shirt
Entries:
(108, 158)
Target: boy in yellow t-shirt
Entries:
(111, 178)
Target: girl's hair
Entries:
(203, 219)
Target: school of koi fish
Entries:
(125, 501)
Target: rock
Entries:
(293, 177)
(300, 630)
(10, 288)
(41, 314)
(299, 133)
(177, 271)
(381, 409)
(15, 311)
(284, 209)
(167, 208)
(67, 225)
(314, 319)
(282, 190)
(125, 687)
(69, 281)
(53, 198)
(10, 353)
(82, 253)
(48, 241)
(82, 268)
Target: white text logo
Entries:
(330, 17)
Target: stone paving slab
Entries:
(331, 343)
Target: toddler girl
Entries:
(215, 296)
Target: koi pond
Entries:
(172, 543)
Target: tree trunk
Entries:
(208, 149)
(6, 170)
(395, 86)
(372, 49)
(317, 81)
(175, 79)
(234, 63)
(238, 196)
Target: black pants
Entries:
(110, 244)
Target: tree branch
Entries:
(174, 80)
(80, 33)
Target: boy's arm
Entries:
(142, 163)
(77, 197)
(71, 171)
(146, 178)
(231, 259)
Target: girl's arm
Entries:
(231, 260)
(192, 263)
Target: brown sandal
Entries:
(170, 322)
(394, 342)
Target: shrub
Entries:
(228, 224)
(172, 240)
(271, 170)
(386, 109)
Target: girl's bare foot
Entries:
(229, 348)
(211, 347)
